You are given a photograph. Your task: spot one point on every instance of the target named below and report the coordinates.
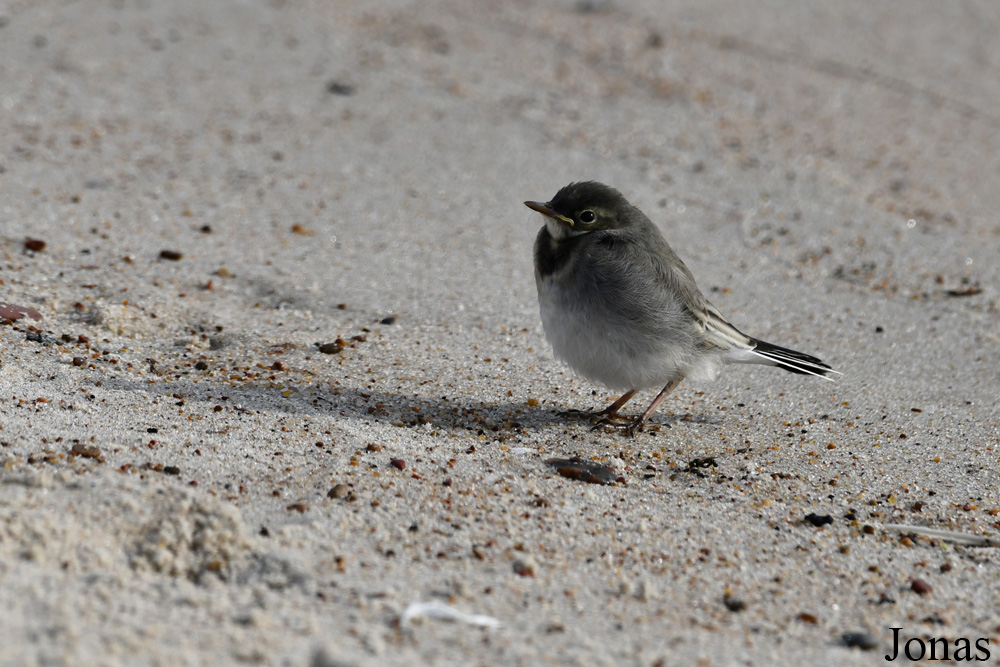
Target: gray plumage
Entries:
(621, 308)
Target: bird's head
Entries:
(581, 208)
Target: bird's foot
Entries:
(624, 425)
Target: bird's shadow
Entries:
(453, 413)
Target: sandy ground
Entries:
(186, 478)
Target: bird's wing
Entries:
(719, 332)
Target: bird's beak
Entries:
(546, 209)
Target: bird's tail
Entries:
(790, 360)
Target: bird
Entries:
(620, 307)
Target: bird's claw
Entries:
(629, 428)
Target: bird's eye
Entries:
(587, 217)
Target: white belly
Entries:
(606, 350)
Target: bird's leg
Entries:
(631, 429)
(607, 415)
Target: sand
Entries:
(219, 189)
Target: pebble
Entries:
(11, 311)
(862, 640)
(734, 605)
(819, 520)
(921, 587)
(584, 471)
(338, 491)
(525, 566)
(87, 452)
(340, 88)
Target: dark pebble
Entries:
(201, 366)
(389, 320)
(172, 255)
(819, 520)
(338, 491)
(584, 471)
(862, 640)
(34, 245)
(10, 311)
(399, 464)
(921, 587)
(40, 338)
(339, 88)
(152, 429)
(87, 452)
(734, 605)
(171, 470)
(79, 361)
(331, 348)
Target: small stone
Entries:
(583, 471)
(171, 255)
(399, 464)
(10, 311)
(340, 88)
(338, 491)
(391, 319)
(921, 587)
(862, 640)
(734, 605)
(171, 470)
(819, 520)
(34, 245)
(87, 452)
(79, 361)
(331, 348)
(279, 366)
(201, 366)
(525, 566)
